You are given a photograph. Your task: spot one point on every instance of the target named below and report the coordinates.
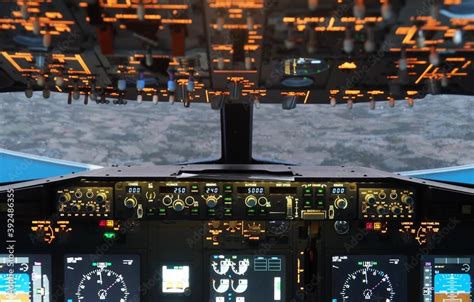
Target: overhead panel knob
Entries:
(178, 205)
(341, 203)
(130, 202)
(211, 201)
(251, 201)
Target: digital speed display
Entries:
(240, 278)
(251, 190)
(174, 190)
(30, 280)
(107, 278)
(133, 189)
(369, 278)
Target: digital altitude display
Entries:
(106, 278)
(175, 279)
(447, 278)
(251, 190)
(174, 190)
(369, 278)
(30, 280)
(338, 190)
(133, 189)
(236, 278)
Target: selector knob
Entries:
(101, 197)
(370, 199)
(407, 199)
(396, 210)
(130, 202)
(211, 201)
(65, 197)
(189, 201)
(341, 227)
(341, 203)
(381, 210)
(251, 201)
(90, 208)
(75, 208)
(178, 205)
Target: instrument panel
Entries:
(237, 234)
(203, 200)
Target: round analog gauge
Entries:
(367, 284)
(102, 285)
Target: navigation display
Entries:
(447, 278)
(114, 278)
(30, 280)
(369, 278)
(247, 278)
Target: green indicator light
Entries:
(228, 187)
(320, 191)
(308, 202)
(320, 203)
(228, 198)
(162, 210)
(307, 190)
(194, 187)
(109, 235)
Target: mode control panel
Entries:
(84, 202)
(237, 200)
(387, 203)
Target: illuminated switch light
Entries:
(434, 57)
(24, 10)
(348, 43)
(420, 39)
(220, 63)
(40, 80)
(47, 39)
(122, 84)
(444, 80)
(141, 11)
(458, 36)
(36, 26)
(359, 9)
(369, 44)
(149, 58)
(403, 64)
(248, 62)
(249, 22)
(313, 4)
(386, 11)
(59, 80)
(220, 22)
